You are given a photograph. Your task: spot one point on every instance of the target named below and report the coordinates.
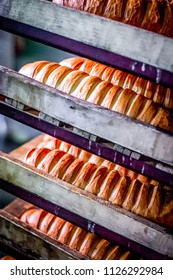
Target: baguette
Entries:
(97, 91)
(150, 201)
(152, 15)
(159, 94)
(74, 237)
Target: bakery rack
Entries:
(129, 143)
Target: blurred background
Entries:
(14, 53)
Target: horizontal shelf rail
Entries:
(160, 172)
(138, 51)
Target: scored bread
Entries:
(54, 143)
(152, 15)
(158, 93)
(153, 202)
(92, 89)
(74, 237)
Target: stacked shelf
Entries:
(132, 144)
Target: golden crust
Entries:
(126, 256)
(152, 18)
(134, 12)
(73, 63)
(35, 156)
(65, 232)
(84, 175)
(49, 161)
(115, 9)
(43, 73)
(61, 166)
(87, 243)
(77, 238)
(131, 195)
(113, 253)
(71, 174)
(34, 217)
(26, 214)
(100, 249)
(95, 90)
(159, 94)
(94, 6)
(45, 222)
(107, 186)
(96, 180)
(55, 78)
(55, 226)
(84, 156)
(31, 69)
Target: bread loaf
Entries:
(97, 91)
(150, 201)
(152, 15)
(159, 94)
(76, 238)
(54, 143)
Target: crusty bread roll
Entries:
(76, 238)
(159, 94)
(152, 15)
(97, 91)
(150, 201)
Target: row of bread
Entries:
(152, 15)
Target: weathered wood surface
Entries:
(86, 205)
(94, 119)
(125, 40)
(22, 237)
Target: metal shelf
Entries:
(138, 51)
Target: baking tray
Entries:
(20, 237)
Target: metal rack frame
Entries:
(139, 58)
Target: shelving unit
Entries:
(132, 144)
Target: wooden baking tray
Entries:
(115, 153)
(93, 213)
(22, 238)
